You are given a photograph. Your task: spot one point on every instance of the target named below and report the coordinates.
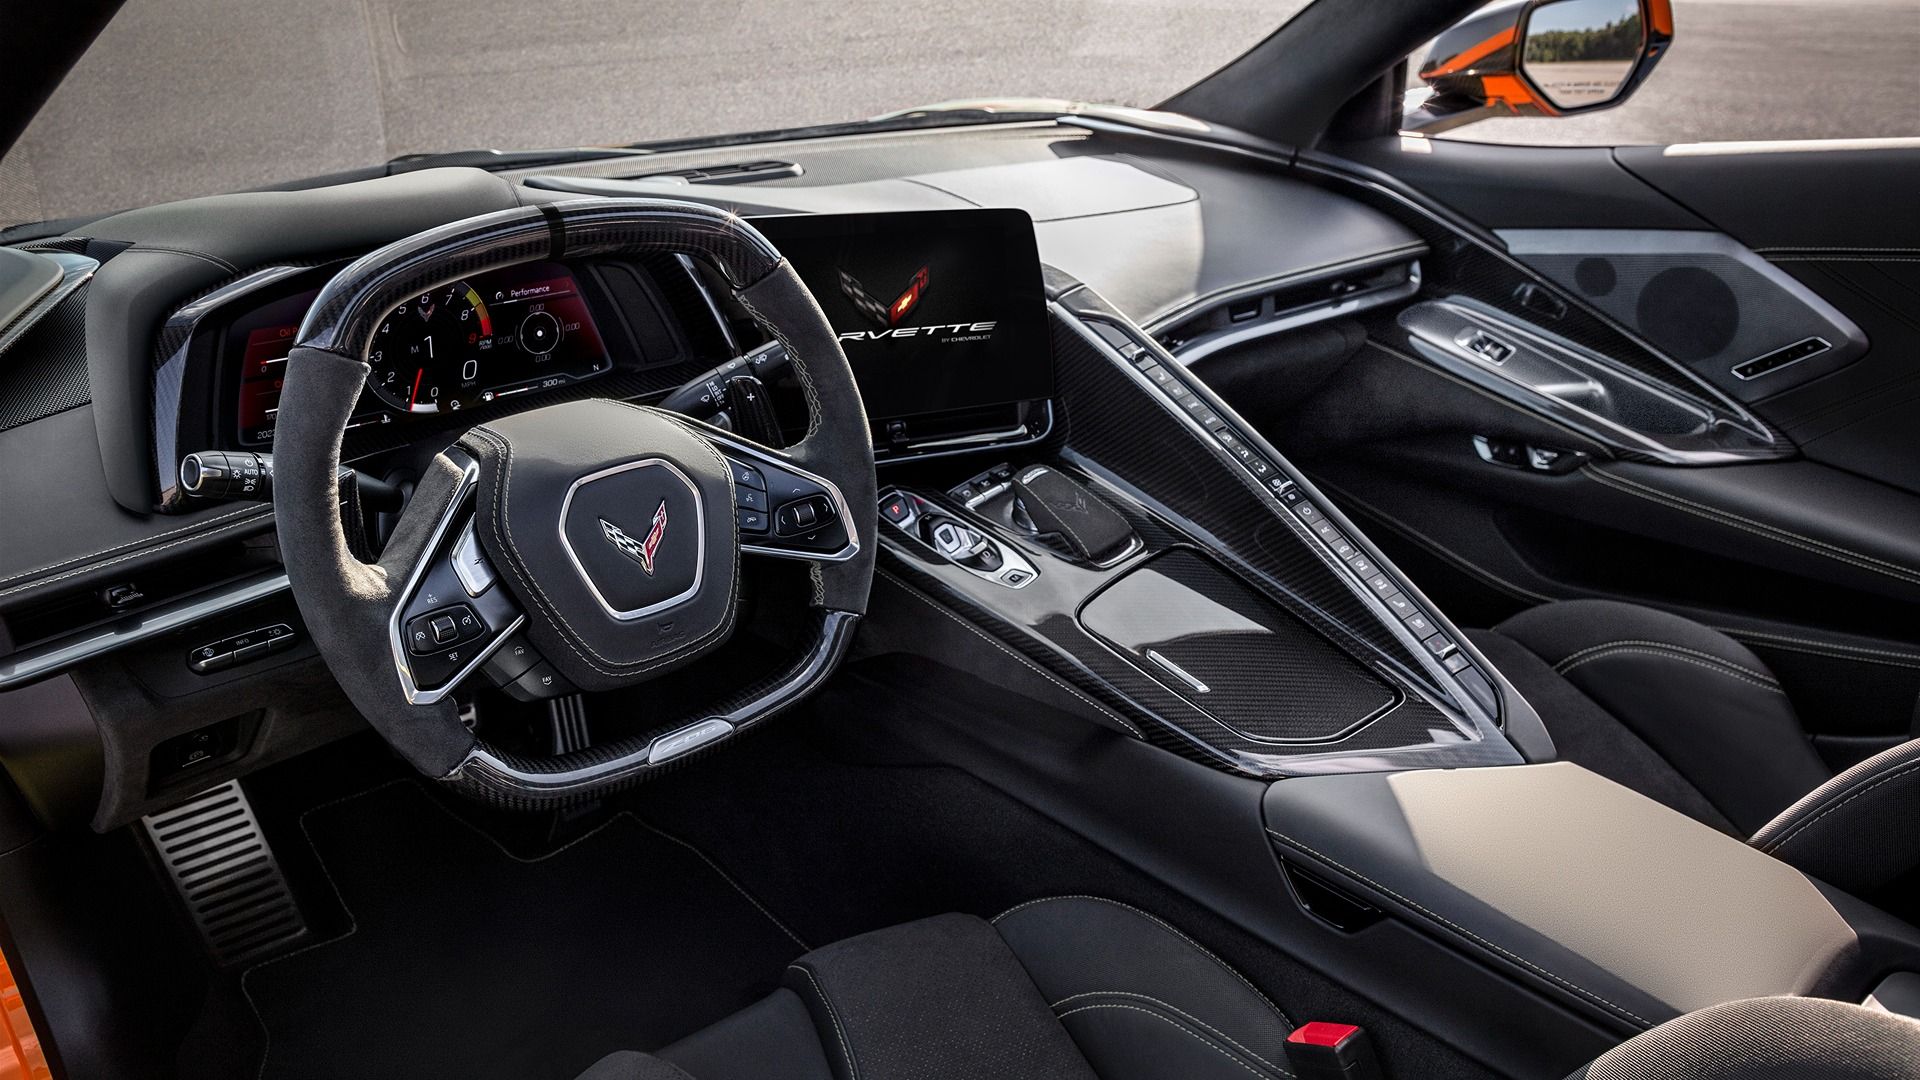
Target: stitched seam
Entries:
(1457, 928)
(1757, 528)
(1803, 826)
(1005, 648)
(1671, 656)
(799, 364)
(1178, 1026)
(1569, 660)
(198, 528)
(1170, 1008)
(1164, 925)
(1835, 650)
(846, 1050)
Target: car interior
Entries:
(1006, 589)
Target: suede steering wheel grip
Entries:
(347, 604)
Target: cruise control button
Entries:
(445, 630)
(746, 476)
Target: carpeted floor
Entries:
(464, 960)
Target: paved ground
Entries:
(184, 97)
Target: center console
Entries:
(1150, 562)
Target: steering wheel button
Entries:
(445, 630)
(747, 476)
(753, 521)
(510, 661)
(747, 498)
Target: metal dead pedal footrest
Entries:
(226, 875)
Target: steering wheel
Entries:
(597, 542)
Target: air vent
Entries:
(1257, 314)
(742, 172)
(226, 875)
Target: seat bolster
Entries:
(632, 1065)
(938, 999)
(1771, 1038)
(1700, 699)
(1856, 830)
(772, 1039)
(1140, 998)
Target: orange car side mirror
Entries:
(1538, 58)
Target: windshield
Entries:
(191, 97)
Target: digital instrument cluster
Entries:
(469, 342)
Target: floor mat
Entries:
(466, 961)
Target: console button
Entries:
(896, 508)
(1440, 645)
(1381, 584)
(1343, 548)
(1306, 511)
(1258, 466)
(1324, 530)
(248, 654)
(1399, 604)
(280, 636)
(1361, 565)
(1456, 663)
(1420, 625)
(209, 658)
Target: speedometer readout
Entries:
(477, 340)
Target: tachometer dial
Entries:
(428, 354)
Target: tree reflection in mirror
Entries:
(1580, 53)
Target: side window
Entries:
(1749, 70)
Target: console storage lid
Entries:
(1590, 891)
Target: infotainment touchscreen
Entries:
(939, 311)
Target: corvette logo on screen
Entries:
(884, 315)
(640, 551)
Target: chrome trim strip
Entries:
(699, 538)
(42, 661)
(1178, 672)
(1350, 305)
(469, 479)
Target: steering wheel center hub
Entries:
(617, 528)
(637, 534)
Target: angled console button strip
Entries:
(1433, 643)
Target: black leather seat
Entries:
(1078, 988)
(1690, 717)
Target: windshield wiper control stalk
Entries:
(247, 476)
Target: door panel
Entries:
(1813, 560)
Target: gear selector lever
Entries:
(1046, 502)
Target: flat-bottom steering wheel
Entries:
(598, 541)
